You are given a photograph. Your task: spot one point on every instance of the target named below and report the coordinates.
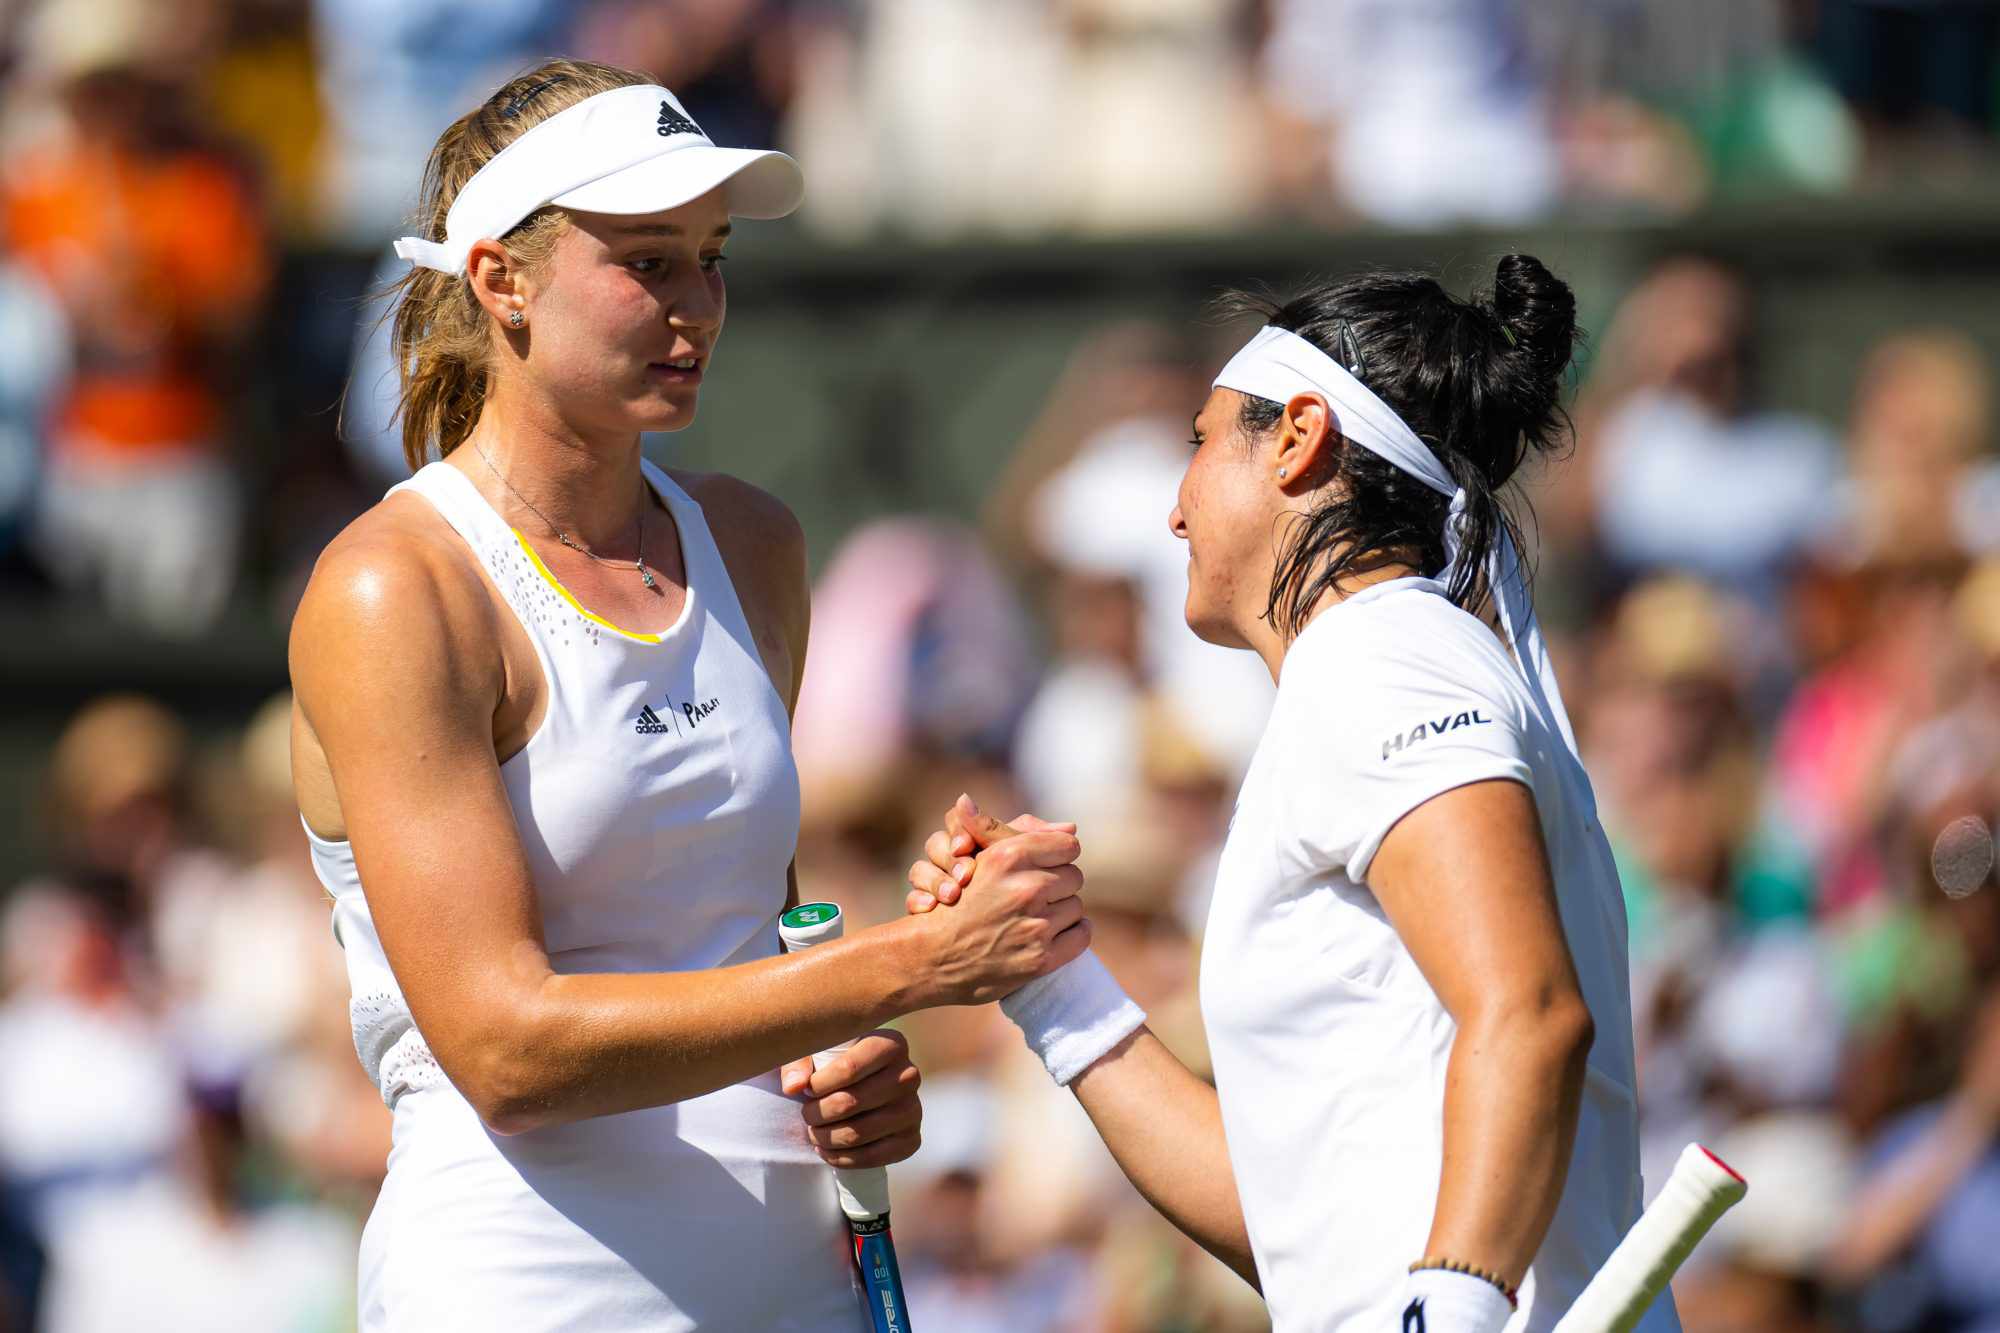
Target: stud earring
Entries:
(517, 319)
(1281, 474)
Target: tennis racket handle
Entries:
(864, 1194)
(1700, 1190)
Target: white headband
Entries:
(1279, 365)
(630, 150)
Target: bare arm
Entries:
(1164, 1126)
(1465, 881)
(397, 680)
(1162, 1123)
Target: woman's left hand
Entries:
(947, 864)
(861, 1107)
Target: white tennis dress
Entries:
(1330, 1047)
(658, 806)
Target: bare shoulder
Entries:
(736, 509)
(388, 564)
(391, 591)
(759, 536)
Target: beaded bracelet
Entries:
(1485, 1275)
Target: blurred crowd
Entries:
(159, 158)
(1780, 640)
(1779, 636)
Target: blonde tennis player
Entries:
(1414, 971)
(542, 749)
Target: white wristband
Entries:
(1437, 1300)
(1072, 1016)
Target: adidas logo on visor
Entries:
(672, 122)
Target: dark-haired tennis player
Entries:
(1414, 972)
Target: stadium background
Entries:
(1770, 565)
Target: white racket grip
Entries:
(1700, 1190)
(864, 1194)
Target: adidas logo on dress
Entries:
(649, 723)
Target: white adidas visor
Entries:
(630, 150)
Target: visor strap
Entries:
(426, 254)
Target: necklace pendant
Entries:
(645, 575)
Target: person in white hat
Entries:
(541, 749)
(1413, 977)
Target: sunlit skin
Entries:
(1232, 512)
(619, 299)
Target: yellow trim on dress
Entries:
(581, 609)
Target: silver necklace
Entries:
(645, 574)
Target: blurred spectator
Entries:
(189, 1251)
(1162, 129)
(1687, 474)
(920, 655)
(1920, 1228)
(1426, 111)
(729, 61)
(946, 116)
(250, 956)
(1839, 730)
(1673, 757)
(120, 804)
(91, 1106)
(393, 74)
(929, 130)
(151, 240)
(1921, 428)
(1915, 960)
(261, 89)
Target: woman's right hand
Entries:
(1019, 916)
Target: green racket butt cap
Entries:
(809, 924)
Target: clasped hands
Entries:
(1016, 913)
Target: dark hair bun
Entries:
(1537, 308)
(1536, 312)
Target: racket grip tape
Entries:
(1701, 1189)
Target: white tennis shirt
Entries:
(1329, 1045)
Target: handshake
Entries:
(1002, 910)
(995, 913)
(1003, 903)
